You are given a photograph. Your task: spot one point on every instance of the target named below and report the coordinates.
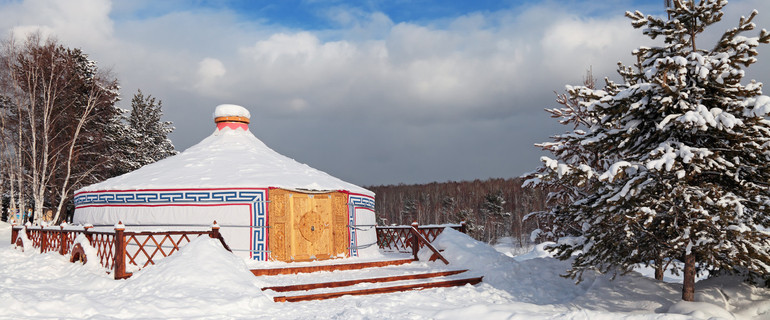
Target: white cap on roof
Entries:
(231, 110)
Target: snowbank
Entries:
(202, 278)
(534, 278)
(700, 310)
(538, 251)
(534, 281)
(201, 271)
(512, 247)
(92, 259)
(205, 281)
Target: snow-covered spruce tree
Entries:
(567, 147)
(124, 142)
(151, 133)
(683, 152)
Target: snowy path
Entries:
(205, 282)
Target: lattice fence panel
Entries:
(35, 235)
(143, 249)
(430, 233)
(69, 240)
(394, 239)
(52, 239)
(104, 243)
(398, 238)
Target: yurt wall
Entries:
(303, 225)
(241, 213)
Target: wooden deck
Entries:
(363, 278)
(330, 267)
(346, 283)
(388, 289)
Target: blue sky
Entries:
(314, 15)
(374, 92)
(319, 14)
(323, 14)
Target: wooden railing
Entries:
(412, 238)
(118, 250)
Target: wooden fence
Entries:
(123, 251)
(118, 250)
(410, 239)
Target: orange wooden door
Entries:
(307, 226)
(340, 224)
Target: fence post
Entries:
(87, 233)
(14, 234)
(214, 231)
(415, 240)
(216, 235)
(62, 241)
(120, 251)
(463, 227)
(378, 232)
(43, 240)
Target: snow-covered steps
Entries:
(372, 285)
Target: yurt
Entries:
(269, 207)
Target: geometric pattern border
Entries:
(170, 196)
(356, 201)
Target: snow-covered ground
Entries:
(205, 281)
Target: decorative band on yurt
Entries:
(254, 198)
(232, 119)
(356, 201)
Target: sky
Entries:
(373, 92)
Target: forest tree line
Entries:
(491, 208)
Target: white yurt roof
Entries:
(229, 158)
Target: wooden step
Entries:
(336, 284)
(400, 288)
(330, 267)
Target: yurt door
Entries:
(303, 226)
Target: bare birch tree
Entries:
(58, 93)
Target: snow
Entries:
(227, 159)
(757, 106)
(88, 250)
(203, 280)
(700, 310)
(231, 110)
(614, 169)
(669, 151)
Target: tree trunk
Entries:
(659, 269)
(688, 284)
(19, 171)
(12, 190)
(93, 97)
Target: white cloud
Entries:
(302, 48)
(572, 45)
(78, 22)
(210, 71)
(456, 87)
